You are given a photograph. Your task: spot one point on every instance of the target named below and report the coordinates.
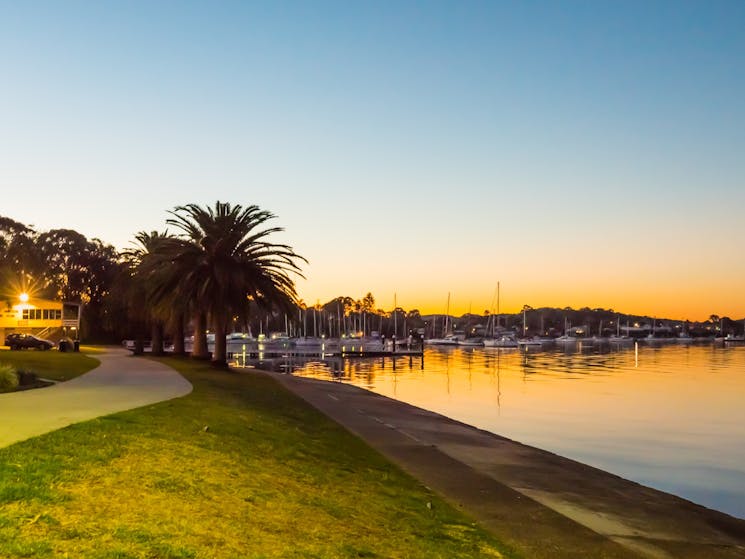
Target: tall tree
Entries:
(21, 263)
(222, 261)
(145, 266)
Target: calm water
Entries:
(668, 417)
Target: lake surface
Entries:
(670, 417)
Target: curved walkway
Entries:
(119, 383)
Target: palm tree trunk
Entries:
(199, 349)
(157, 338)
(177, 332)
(219, 355)
(139, 343)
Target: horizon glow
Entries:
(582, 154)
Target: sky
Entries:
(580, 153)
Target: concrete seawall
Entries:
(542, 504)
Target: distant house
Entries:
(46, 319)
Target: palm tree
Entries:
(142, 261)
(222, 261)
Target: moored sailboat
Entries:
(506, 339)
(447, 335)
(619, 338)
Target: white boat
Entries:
(505, 340)
(619, 338)
(534, 341)
(472, 342)
(236, 336)
(654, 338)
(732, 338)
(361, 344)
(308, 341)
(276, 341)
(499, 337)
(566, 339)
(447, 340)
(345, 344)
(599, 339)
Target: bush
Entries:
(8, 377)
(27, 378)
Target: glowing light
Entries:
(23, 297)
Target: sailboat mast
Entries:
(447, 315)
(525, 324)
(395, 317)
(498, 315)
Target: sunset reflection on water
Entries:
(670, 417)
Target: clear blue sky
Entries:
(580, 152)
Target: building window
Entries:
(31, 314)
(42, 314)
(70, 311)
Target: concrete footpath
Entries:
(121, 382)
(543, 505)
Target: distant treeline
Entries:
(359, 314)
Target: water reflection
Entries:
(670, 417)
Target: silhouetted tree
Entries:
(222, 260)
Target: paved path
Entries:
(544, 505)
(121, 382)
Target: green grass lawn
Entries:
(240, 468)
(52, 365)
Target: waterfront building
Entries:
(41, 317)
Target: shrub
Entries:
(8, 377)
(26, 378)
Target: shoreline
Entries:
(540, 503)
